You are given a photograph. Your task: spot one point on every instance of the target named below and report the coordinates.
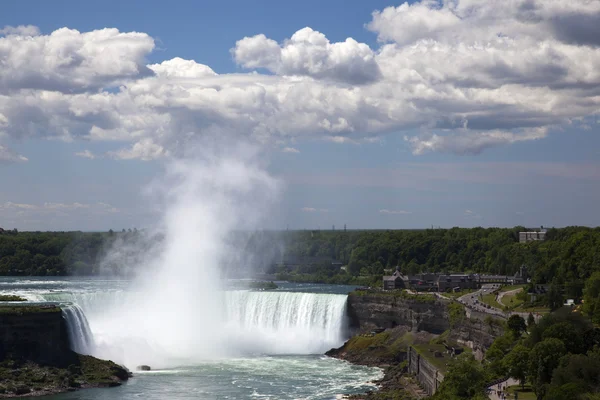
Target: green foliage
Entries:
(517, 363)
(11, 297)
(456, 312)
(516, 324)
(543, 359)
(465, 379)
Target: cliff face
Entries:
(39, 336)
(369, 310)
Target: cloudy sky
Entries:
(372, 114)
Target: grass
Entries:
(490, 299)
(535, 309)
(20, 310)
(508, 288)
(511, 301)
(428, 351)
(456, 295)
(524, 394)
(397, 294)
(11, 297)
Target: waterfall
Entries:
(80, 335)
(250, 322)
(286, 322)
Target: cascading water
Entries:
(252, 322)
(80, 334)
(286, 322)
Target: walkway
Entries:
(493, 395)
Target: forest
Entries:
(568, 256)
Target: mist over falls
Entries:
(253, 323)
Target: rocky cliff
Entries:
(377, 309)
(35, 357)
(34, 333)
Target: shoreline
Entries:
(384, 350)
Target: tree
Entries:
(591, 297)
(555, 297)
(516, 324)
(530, 320)
(465, 379)
(517, 363)
(543, 359)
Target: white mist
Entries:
(174, 313)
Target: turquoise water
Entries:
(276, 341)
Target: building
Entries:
(532, 235)
(447, 283)
(395, 281)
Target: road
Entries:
(473, 302)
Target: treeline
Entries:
(568, 255)
(57, 253)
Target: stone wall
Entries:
(428, 376)
(37, 336)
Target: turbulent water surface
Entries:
(267, 345)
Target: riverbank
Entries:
(20, 378)
(387, 350)
(36, 358)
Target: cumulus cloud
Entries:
(309, 52)
(462, 143)
(394, 212)
(290, 150)
(86, 154)
(467, 74)
(7, 156)
(70, 61)
(21, 30)
(145, 150)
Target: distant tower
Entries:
(344, 227)
(333, 227)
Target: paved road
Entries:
(493, 395)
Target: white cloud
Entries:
(471, 214)
(21, 30)
(70, 61)
(394, 212)
(310, 53)
(471, 142)
(468, 74)
(145, 150)
(7, 156)
(290, 150)
(86, 154)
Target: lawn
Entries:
(511, 301)
(490, 299)
(523, 394)
(428, 350)
(456, 295)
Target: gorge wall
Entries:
(37, 334)
(376, 309)
(368, 310)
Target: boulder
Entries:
(143, 368)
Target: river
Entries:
(258, 345)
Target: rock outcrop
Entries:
(35, 357)
(376, 309)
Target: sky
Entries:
(377, 115)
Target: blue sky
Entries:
(481, 141)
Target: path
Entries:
(493, 395)
(509, 292)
